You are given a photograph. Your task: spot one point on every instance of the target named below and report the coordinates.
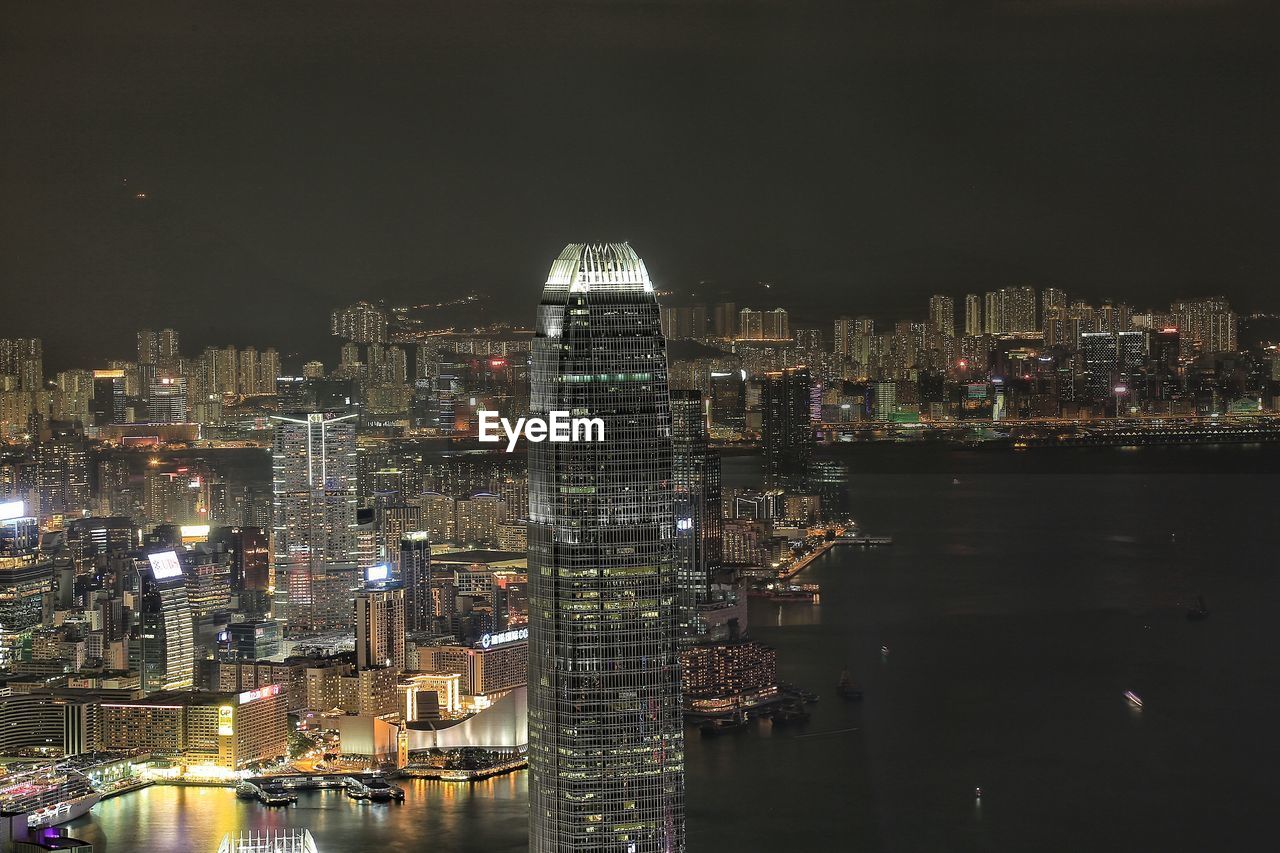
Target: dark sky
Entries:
(861, 154)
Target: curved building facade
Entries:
(606, 747)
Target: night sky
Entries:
(859, 155)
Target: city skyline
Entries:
(891, 481)
(865, 148)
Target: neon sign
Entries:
(488, 641)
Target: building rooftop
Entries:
(480, 555)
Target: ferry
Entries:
(48, 795)
(382, 791)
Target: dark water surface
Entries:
(1019, 605)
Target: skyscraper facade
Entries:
(788, 432)
(606, 745)
(314, 509)
(699, 523)
(415, 574)
(942, 314)
(379, 618)
(972, 314)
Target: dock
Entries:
(864, 540)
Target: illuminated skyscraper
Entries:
(695, 477)
(942, 314)
(314, 507)
(108, 403)
(380, 626)
(1010, 310)
(788, 431)
(361, 323)
(972, 314)
(167, 400)
(62, 476)
(1112, 361)
(1206, 325)
(415, 574)
(606, 744)
(23, 359)
(162, 645)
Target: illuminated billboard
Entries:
(194, 531)
(226, 720)
(164, 565)
(12, 509)
(260, 693)
(374, 574)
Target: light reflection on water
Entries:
(486, 815)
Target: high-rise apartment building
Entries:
(1010, 310)
(1206, 325)
(973, 315)
(23, 359)
(62, 477)
(942, 314)
(362, 323)
(606, 743)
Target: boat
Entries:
(275, 795)
(1134, 699)
(717, 725)
(847, 689)
(1198, 613)
(790, 713)
(381, 791)
(47, 795)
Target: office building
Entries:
(415, 576)
(162, 645)
(787, 426)
(202, 729)
(606, 738)
(314, 509)
(695, 481)
(380, 627)
(495, 665)
(1112, 362)
(167, 400)
(108, 403)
